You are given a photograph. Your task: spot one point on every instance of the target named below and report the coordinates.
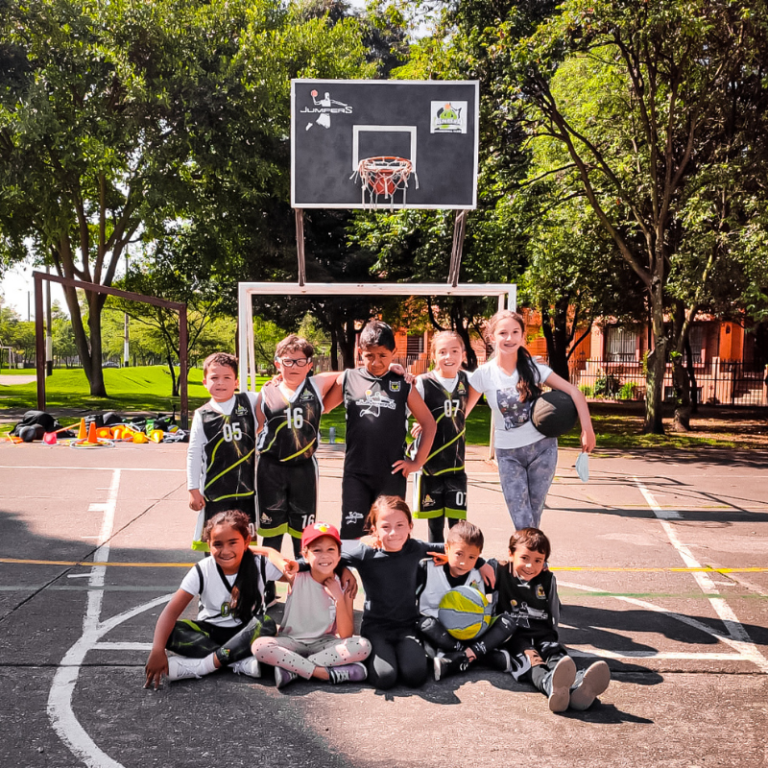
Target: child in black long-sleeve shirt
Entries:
(528, 593)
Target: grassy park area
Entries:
(148, 389)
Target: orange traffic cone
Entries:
(92, 437)
(81, 433)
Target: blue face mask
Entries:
(582, 467)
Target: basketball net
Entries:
(382, 177)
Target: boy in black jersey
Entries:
(377, 403)
(222, 447)
(529, 593)
(288, 416)
(442, 484)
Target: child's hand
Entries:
(349, 583)
(439, 558)
(333, 588)
(488, 574)
(275, 381)
(290, 567)
(588, 440)
(156, 667)
(196, 500)
(416, 430)
(406, 466)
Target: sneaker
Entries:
(563, 676)
(499, 660)
(182, 668)
(283, 677)
(593, 682)
(348, 673)
(449, 664)
(249, 666)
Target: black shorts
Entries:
(441, 496)
(358, 492)
(246, 504)
(286, 496)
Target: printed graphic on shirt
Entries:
(290, 428)
(514, 412)
(373, 402)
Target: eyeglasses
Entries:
(289, 363)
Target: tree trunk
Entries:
(682, 395)
(349, 338)
(657, 363)
(174, 380)
(96, 379)
(334, 348)
(557, 338)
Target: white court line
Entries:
(707, 630)
(60, 712)
(740, 639)
(91, 469)
(662, 514)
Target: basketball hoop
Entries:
(382, 176)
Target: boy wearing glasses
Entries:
(288, 417)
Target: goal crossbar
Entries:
(505, 292)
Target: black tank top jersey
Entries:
(449, 410)
(527, 601)
(290, 429)
(376, 421)
(229, 450)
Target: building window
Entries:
(621, 345)
(415, 345)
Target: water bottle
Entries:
(332, 435)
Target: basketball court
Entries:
(633, 553)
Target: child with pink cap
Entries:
(316, 637)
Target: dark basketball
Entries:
(554, 413)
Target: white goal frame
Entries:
(506, 293)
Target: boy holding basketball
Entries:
(528, 592)
(462, 552)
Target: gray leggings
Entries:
(526, 474)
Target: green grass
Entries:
(149, 389)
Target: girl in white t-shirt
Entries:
(230, 584)
(510, 382)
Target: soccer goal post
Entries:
(506, 294)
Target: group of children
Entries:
(251, 469)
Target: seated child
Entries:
(462, 550)
(316, 637)
(529, 594)
(230, 584)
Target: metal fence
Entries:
(719, 382)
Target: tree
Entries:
(659, 109)
(119, 120)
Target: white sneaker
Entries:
(182, 667)
(563, 677)
(249, 666)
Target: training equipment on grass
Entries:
(554, 413)
(465, 613)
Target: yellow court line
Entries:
(591, 569)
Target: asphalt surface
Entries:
(688, 647)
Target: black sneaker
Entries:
(450, 664)
(499, 660)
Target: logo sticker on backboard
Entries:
(323, 107)
(448, 117)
